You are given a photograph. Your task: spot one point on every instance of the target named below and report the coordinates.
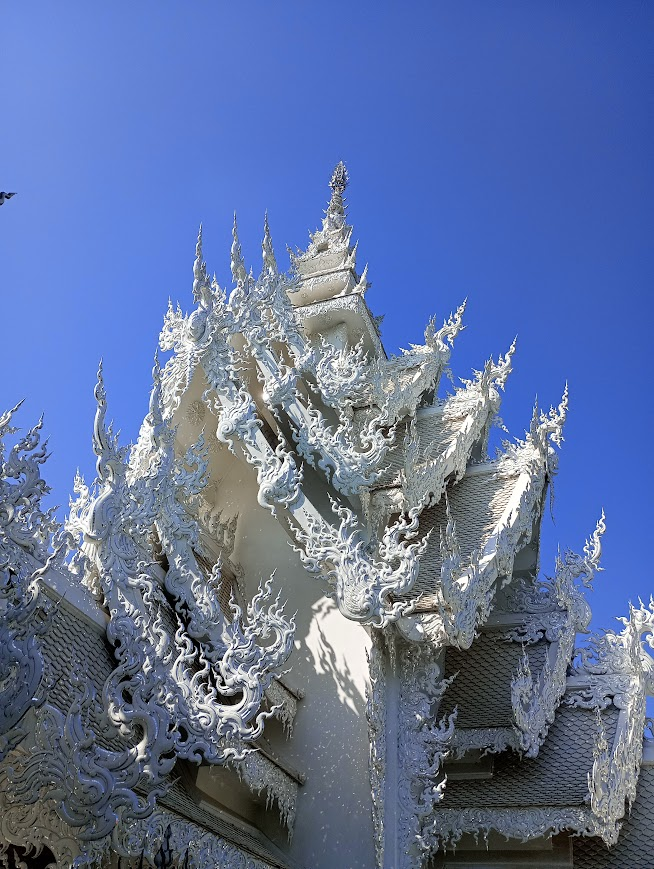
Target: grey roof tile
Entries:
(435, 433)
(557, 777)
(482, 688)
(477, 503)
(635, 847)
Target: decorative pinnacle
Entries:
(340, 179)
(239, 275)
(155, 395)
(201, 285)
(101, 440)
(198, 244)
(269, 261)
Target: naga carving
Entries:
(194, 694)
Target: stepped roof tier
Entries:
(426, 705)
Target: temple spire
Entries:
(327, 268)
(269, 261)
(156, 401)
(201, 283)
(239, 274)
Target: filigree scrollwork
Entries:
(376, 718)
(490, 740)
(614, 667)
(365, 582)
(400, 384)
(92, 787)
(535, 700)
(423, 479)
(24, 533)
(449, 825)
(424, 742)
(194, 695)
(342, 373)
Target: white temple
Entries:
(300, 624)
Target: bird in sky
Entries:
(4, 196)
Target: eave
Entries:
(454, 605)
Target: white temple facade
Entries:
(299, 624)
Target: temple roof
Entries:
(478, 504)
(633, 849)
(557, 777)
(485, 702)
(73, 642)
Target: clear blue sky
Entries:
(500, 151)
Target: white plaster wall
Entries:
(330, 740)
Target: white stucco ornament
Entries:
(150, 677)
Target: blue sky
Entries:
(500, 151)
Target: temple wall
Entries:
(330, 738)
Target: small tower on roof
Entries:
(327, 268)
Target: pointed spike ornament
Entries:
(497, 373)
(201, 282)
(239, 274)
(269, 261)
(555, 419)
(102, 446)
(156, 402)
(339, 181)
(535, 418)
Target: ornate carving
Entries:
(205, 850)
(376, 718)
(400, 384)
(424, 481)
(24, 532)
(90, 786)
(261, 774)
(342, 373)
(491, 740)
(467, 591)
(38, 826)
(423, 744)
(283, 704)
(535, 701)
(194, 695)
(34, 827)
(547, 626)
(364, 582)
(616, 665)
(448, 825)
